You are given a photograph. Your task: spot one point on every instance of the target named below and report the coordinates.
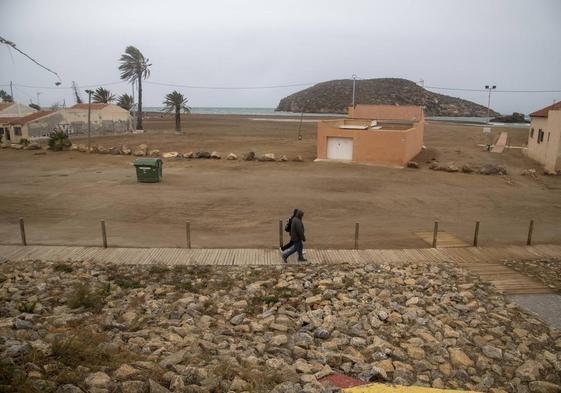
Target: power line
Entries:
(13, 45)
(264, 87)
(496, 91)
(230, 87)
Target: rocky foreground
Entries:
(89, 327)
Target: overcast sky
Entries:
(514, 44)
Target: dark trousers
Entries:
(298, 247)
(287, 245)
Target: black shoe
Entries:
(284, 259)
(302, 260)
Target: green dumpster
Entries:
(148, 170)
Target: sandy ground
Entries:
(238, 204)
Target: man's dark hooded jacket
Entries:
(297, 228)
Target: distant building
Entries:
(544, 140)
(10, 111)
(373, 134)
(106, 119)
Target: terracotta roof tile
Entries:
(95, 106)
(26, 119)
(543, 112)
(4, 105)
(6, 120)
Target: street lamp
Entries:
(354, 89)
(89, 118)
(490, 89)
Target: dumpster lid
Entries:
(147, 161)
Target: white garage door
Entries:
(340, 148)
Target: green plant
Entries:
(125, 282)
(27, 307)
(58, 141)
(63, 267)
(125, 101)
(82, 296)
(24, 141)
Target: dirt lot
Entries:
(238, 204)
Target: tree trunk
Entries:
(177, 119)
(139, 113)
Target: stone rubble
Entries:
(88, 327)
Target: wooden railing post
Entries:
(435, 234)
(356, 235)
(476, 234)
(530, 233)
(103, 234)
(188, 233)
(22, 231)
(280, 234)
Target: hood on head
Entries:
(299, 213)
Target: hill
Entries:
(336, 95)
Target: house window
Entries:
(532, 132)
(1, 131)
(17, 131)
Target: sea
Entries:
(270, 112)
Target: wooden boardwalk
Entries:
(484, 261)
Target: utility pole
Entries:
(490, 89)
(38, 94)
(12, 92)
(89, 119)
(354, 89)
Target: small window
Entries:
(531, 132)
(17, 131)
(1, 131)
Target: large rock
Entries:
(492, 352)
(125, 372)
(492, 169)
(33, 146)
(202, 154)
(154, 153)
(171, 154)
(459, 359)
(232, 156)
(267, 157)
(103, 150)
(133, 387)
(155, 387)
(529, 370)
(125, 150)
(69, 388)
(215, 155)
(544, 387)
(98, 380)
(250, 156)
(140, 150)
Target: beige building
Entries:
(14, 109)
(388, 135)
(106, 119)
(544, 140)
(10, 111)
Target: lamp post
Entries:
(490, 89)
(354, 89)
(89, 118)
(38, 104)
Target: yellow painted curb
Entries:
(381, 388)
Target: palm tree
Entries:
(134, 68)
(125, 101)
(176, 102)
(102, 96)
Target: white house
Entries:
(544, 140)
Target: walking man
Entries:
(287, 228)
(297, 237)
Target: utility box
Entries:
(148, 170)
